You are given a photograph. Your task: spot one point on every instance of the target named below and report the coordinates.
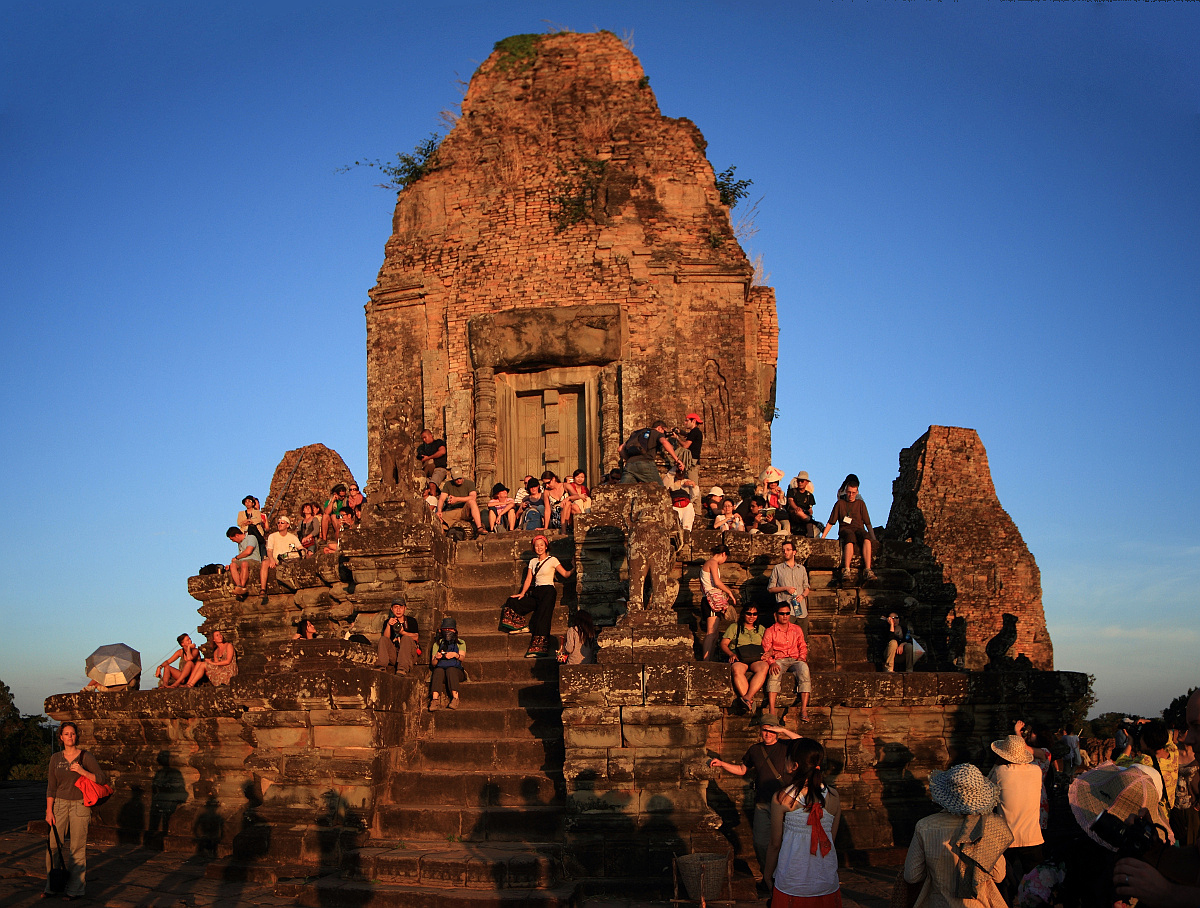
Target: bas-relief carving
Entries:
(394, 497)
(527, 339)
(716, 402)
(643, 512)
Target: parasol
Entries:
(114, 664)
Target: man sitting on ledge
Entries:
(854, 528)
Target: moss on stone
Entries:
(517, 51)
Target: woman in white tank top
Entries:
(801, 860)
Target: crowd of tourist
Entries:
(1040, 829)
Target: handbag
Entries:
(56, 879)
(93, 792)
(748, 653)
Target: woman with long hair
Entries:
(532, 607)
(557, 501)
(581, 498)
(801, 860)
(309, 530)
(66, 814)
(305, 630)
(579, 646)
(729, 520)
(742, 643)
(446, 660)
(221, 668)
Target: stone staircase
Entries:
(475, 817)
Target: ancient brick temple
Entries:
(565, 272)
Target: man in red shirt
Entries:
(785, 650)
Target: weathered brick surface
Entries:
(562, 185)
(979, 566)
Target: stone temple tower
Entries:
(565, 272)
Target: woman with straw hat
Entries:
(1020, 784)
(958, 855)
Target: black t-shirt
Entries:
(642, 443)
(769, 765)
(696, 437)
(802, 500)
(393, 630)
(426, 450)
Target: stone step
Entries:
(472, 722)
(455, 755)
(460, 865)
(516, 671)
(473, 620)
(499, 788)
(494, 646)
(337, 892)
(441, 823)
(485, 574)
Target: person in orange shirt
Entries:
(785, 650)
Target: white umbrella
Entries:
(114, 664)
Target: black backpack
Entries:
(638, 444)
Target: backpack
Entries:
(638, 444)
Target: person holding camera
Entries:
(397, 650)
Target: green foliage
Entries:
(644, 82)
(1175, 713)
(1075, 715)
(715, 239)
(578, 192)
(516, 52)
(732, 190)
(24, 741)
(407, 168)
(1105, 725)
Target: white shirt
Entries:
(282, 543)
(545, 575)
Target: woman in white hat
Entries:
(958, 855)
(1020, 784)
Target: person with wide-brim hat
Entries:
(957, 856)
(1019, 781)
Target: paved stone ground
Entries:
(124, 876)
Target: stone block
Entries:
(585, 769)
(592, 736)
(281, 737)
(605, 684)
(666, 683)
(921, 688)
(591, 715)
(620, 766)
(338, 736)
(708, 684)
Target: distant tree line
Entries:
(24, 741)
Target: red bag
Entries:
(93, 794)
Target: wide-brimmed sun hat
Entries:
(1014, 749)
(963, 789)
(772, 474)
(1122, 791)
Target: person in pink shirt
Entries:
(785, 650)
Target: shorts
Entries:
(852, 537)
(797, 668)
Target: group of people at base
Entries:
(994, 843)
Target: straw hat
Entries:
(772, 474)
(963, 789)
(1013, 749)
(1121, 791)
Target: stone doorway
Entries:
(547, 420)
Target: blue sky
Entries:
(975, 215)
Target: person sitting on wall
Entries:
(189, 657)
(355, 501)
(557, 500)
(310, 527)
(729, 520)
(638, 450)
(742, 643)
(711, 509)
(431, 455)
(900, 642)
(502, 510)
(249, 556)
(581, 497)
(767, 760)
(397, 650)
(776, 500)
(785, 650)
(754, 518)
(532, 514)
(799, 507)
(334, 505)
(458, 502)
(252, 520)
(281, 545)
(854, 528)
(690, 440)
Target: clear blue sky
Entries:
(974, 215)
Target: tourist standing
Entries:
(718, 602)
(66, 814)
(789, 583)
(802, 865)
(637, 453)
(1020, 792)
(536, 599)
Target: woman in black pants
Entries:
(539, 601)
(446, 659)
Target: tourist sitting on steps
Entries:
(249, 556)
(742, 643)
(305, 630)
(397, 650)
(785, 650)
(252, 520)
(532, 514)
(728, 520)
(854, 528)
(899, 642)
(281, 545)
(581, 498)
(800, 504)
(557, 500)
(502, 510)
(431, 456)
(767, 760)
(189, 657)
(754, 516)
(310, 527)
(219, 670)
(533, 609)
(579, 646)
(637, 453)
(334, 506)
(458, 502)
(446, 660)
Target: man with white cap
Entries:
(800, 504)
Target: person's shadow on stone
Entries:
(168, 792)
(904, 796)
(208, 828)
(131, 819)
